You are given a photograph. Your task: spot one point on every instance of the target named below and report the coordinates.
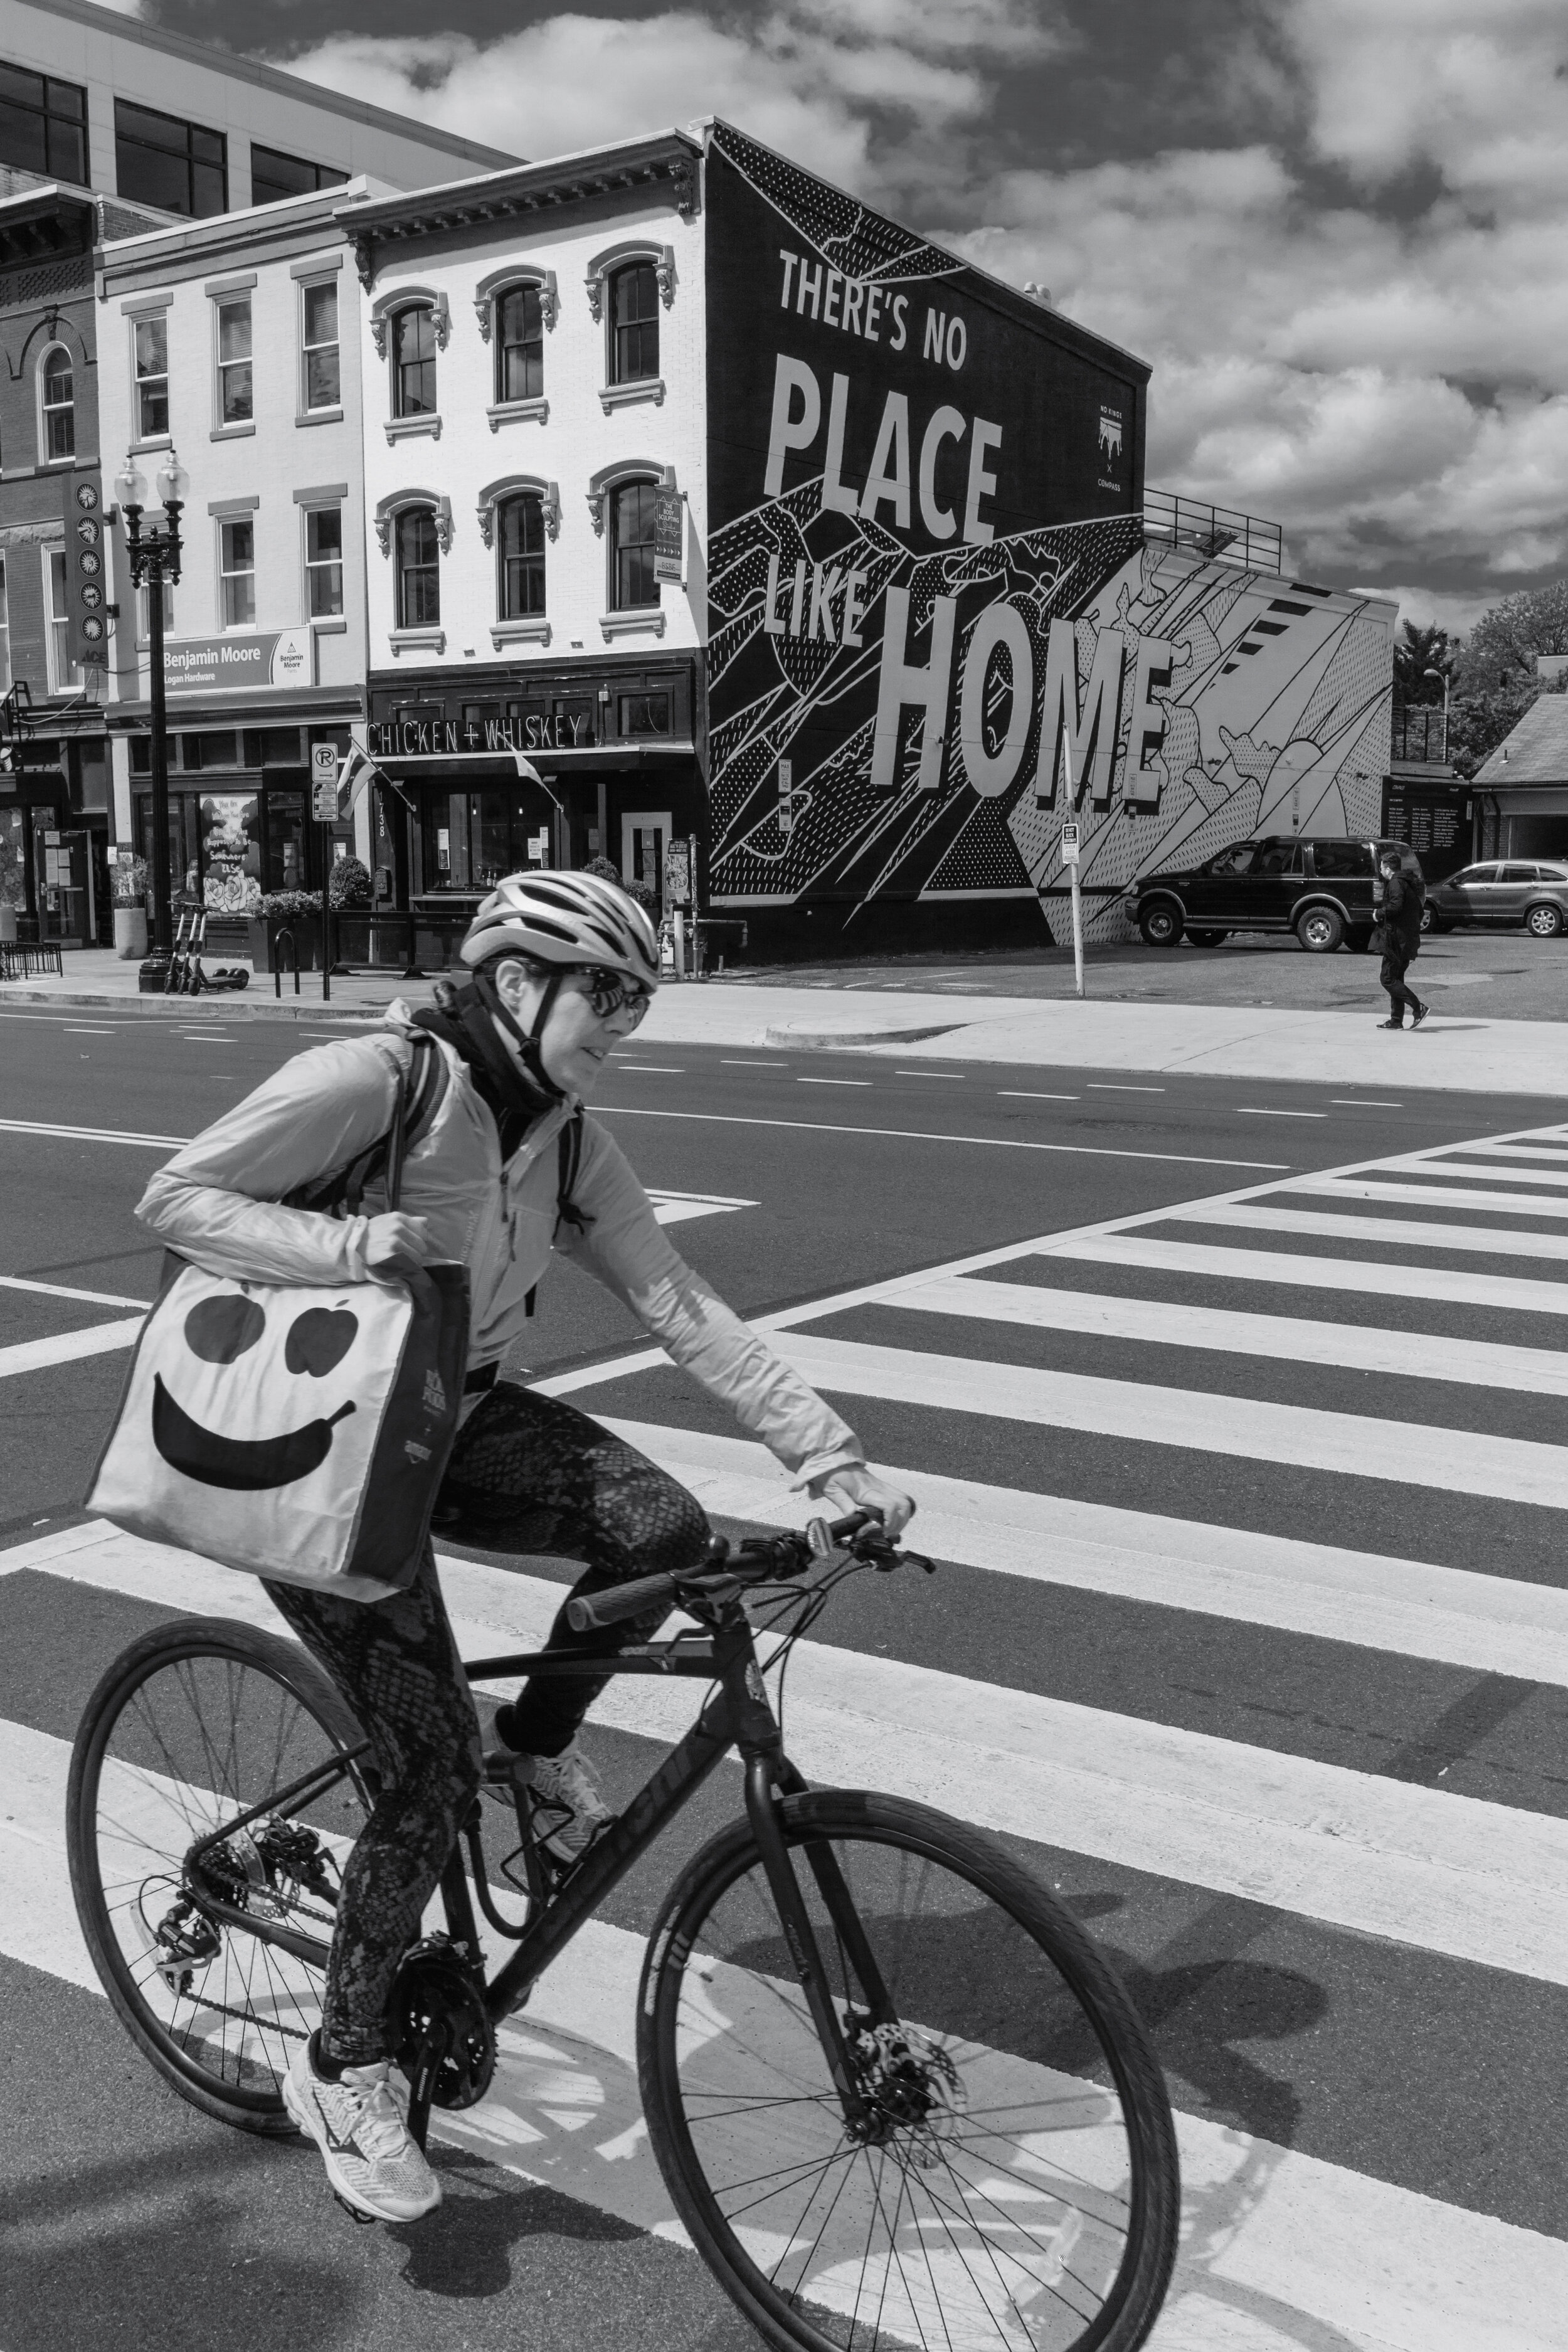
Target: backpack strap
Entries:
(568, 1163)
(420, 1090)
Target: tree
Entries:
(1477, 723)
(1500, 650)
(1417, 651)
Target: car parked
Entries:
(1511, 891)
(1319, 889)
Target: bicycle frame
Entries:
(738, 1715)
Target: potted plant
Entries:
(348, 894)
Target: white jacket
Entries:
(218, 1202)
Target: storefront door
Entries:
(65, 878)
(643, 833)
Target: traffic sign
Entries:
(324, 783)
(1070, 845)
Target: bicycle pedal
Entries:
(365, 2220)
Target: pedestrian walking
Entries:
(1399, 894)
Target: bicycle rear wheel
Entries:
(192, 1725)
(1017, 2189)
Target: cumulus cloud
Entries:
(1356, 305)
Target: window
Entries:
(62, 674)
(520, 542)
(236, 565)
(413, 362)
(1332, 858)
(152, 376)
(634, 323)
(43, 125)
(631, 527)
(273, 175)
(5, 632)
(1234, 860)
(235, 393)
(59, 406)
(418, 570)
(1518, 874)
(323, 384)
(520, 345)
(645, 714)
(324, 560)
(159, 160)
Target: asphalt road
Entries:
(1231, 1523)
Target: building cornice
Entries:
(664, 168)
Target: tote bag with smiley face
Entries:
(300, 1434)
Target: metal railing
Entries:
(1421, 735)
(1214, 532)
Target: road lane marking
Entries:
(1409, 1233)
(902, 1134)
(91, 1134)
(948, 1077)
(1408, 2274)
(36, 1355)
(1447, 1284)
(1028, 1094)
(1282, 1338)
(662, 1069)
(674, 1207)
(729, 1062)
(1108, 1087)
(1425, 1867)
(59, 1290)
(71, 1031)
(1248, 1110)
(1240, 1428)
(1363, 1102)
(834, 1082)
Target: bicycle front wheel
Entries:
(1010, 2183)
(197, 1723)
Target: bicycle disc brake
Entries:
(438, 2015)
(911, 2086)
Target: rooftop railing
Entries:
(1214, 532)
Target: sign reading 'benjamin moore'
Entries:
(282, 660)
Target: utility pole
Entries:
(154, 558)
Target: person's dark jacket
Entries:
(1399, 917)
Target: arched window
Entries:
(520, 557)
(520, 345)
(632, 583)
(60, 404)
(634, 323)
(414, 362)
(418, 569)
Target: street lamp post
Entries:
(154, 558)
(1442, 677)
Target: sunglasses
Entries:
(609, 992)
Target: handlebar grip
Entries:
(592, 1611)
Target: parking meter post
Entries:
(1077, 930)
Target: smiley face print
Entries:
(219, 1331)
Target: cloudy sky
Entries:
(1337, 228)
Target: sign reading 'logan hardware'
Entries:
(282, 660)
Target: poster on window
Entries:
(231, 854)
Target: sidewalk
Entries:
(1465, 1054)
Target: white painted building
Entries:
(235, 342)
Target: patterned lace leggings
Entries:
(528, 1474)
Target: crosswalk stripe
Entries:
(1446, 1284)
(1251, 1429)
(1363, 1347)
(1447, 1196)
(1513, 1150)
(1472, 1172)
(35, 1355)
(60, 1290)
(1407, 1232)
(1446, 1874)
(1274, 2239)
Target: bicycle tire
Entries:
(122, 1739)
(1089, 2048)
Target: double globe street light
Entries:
(153, 555)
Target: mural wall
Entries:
(919, 666)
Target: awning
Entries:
(588, 759)
(315, 706)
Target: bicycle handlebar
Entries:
(763, 1560)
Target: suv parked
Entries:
(1515, 891)
(1322, 890)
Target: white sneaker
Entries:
(371, 2160)
(569, 1812)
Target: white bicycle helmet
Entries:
(564, 917)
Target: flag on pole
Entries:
(355, 772)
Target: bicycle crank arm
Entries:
(429, 2060)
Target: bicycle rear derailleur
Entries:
(446, 2043)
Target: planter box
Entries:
(305, 931)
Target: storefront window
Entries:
(468, 842)
(231, 853)
(645, 714)
(286, 841)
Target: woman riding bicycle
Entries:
(505, 1169)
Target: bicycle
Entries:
(896, 2094)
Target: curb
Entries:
(220, 1004)
(825, 1041)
